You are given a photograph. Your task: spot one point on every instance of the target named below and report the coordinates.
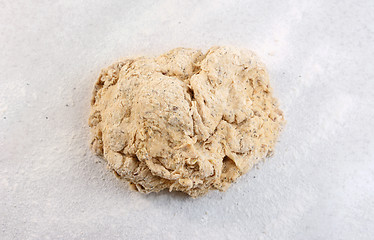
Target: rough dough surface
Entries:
(184, 121)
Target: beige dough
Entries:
(184, 121)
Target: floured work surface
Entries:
(185, 121)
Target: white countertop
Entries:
(319, 184)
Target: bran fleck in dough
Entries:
(184, 121)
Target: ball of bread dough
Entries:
(184, 121)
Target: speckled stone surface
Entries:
(318, 185)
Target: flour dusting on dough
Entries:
(185, 121)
